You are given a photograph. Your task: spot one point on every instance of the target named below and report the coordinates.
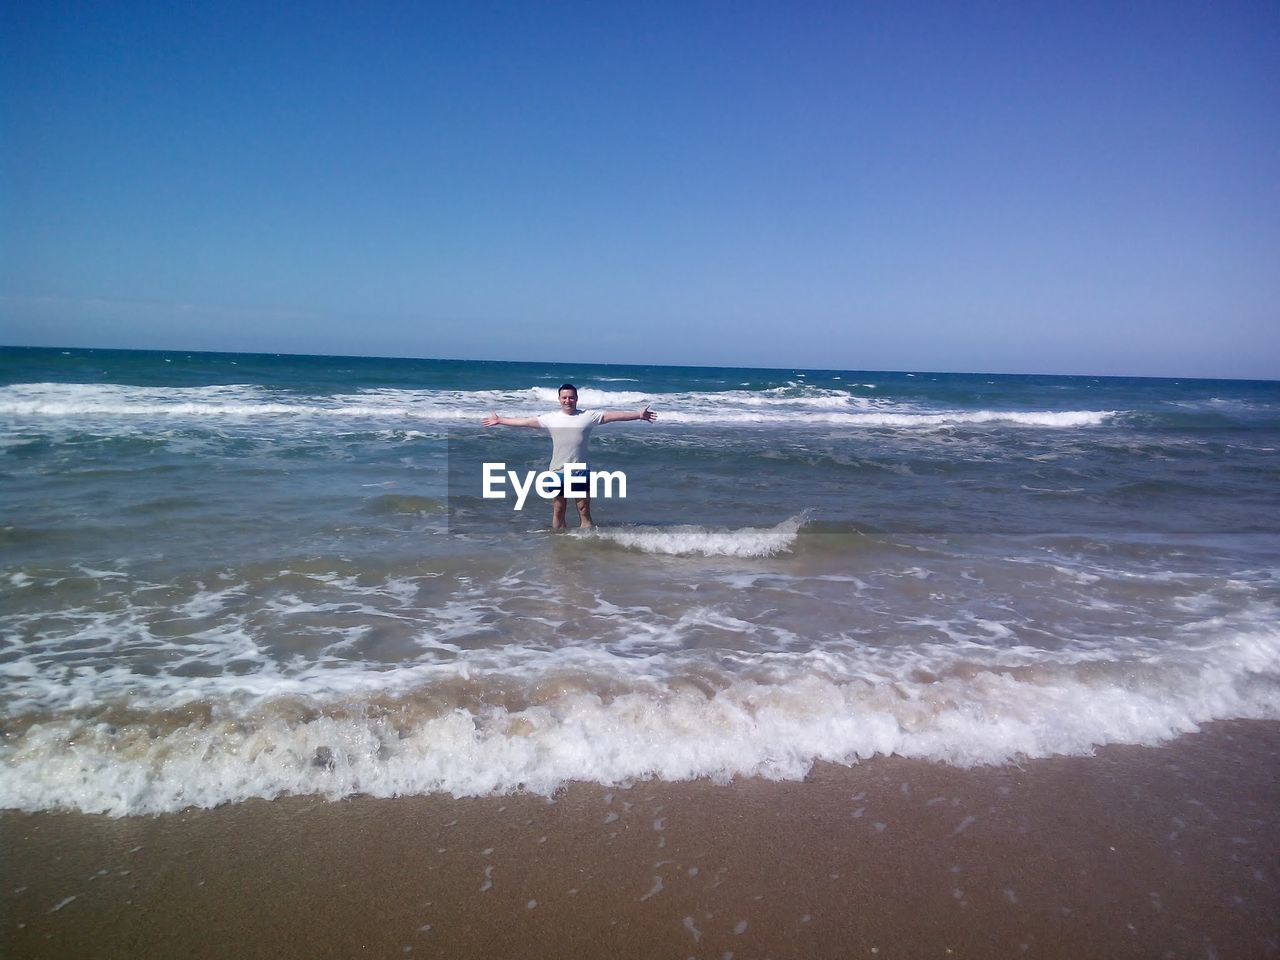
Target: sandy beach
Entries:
(1137, 852)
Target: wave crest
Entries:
(691, 540)
(618, 721)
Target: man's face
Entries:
(569, 401)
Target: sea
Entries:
(233, 576)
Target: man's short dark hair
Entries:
(566, 386)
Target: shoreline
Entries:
(1134, 852)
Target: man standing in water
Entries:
(570, 428)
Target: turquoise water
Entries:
(242, 575)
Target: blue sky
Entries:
(1061, 188)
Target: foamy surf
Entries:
(914, 421)
(778, 406)
(584, 716)
(214, 591)
(690, 540)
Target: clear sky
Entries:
(1064, 187)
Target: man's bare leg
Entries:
(584, 512)
(557, 512)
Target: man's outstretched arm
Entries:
(615, 416)
(493, 420)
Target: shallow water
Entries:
(229, 576)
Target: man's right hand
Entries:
(492, 420)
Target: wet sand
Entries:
(1136, 852)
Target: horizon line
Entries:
(602, 363)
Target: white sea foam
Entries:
(1064, 418)
(702, 541)
(94, 403)
(585, 715)
(588, 398)
(206, 603)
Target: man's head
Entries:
(568, 398)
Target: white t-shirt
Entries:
(569, 435)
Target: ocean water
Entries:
(230, 576)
